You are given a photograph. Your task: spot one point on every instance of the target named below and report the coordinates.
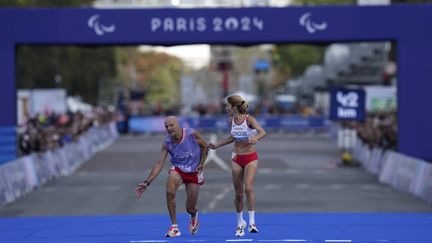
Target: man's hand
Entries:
(140, 188)
(212, 146)
(200, 168)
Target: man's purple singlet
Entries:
(186, 154)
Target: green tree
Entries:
(164, 81)
(82, 71)
(158, 74)
(291, 61)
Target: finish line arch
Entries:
(408, 25)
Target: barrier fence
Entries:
(397, 170)
(23, 175)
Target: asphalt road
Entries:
(297, 173)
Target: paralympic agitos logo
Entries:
(99, 28)
(311, 26)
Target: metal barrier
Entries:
(23, 175)
(402, 172)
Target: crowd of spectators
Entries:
(378, 130)
(43, 132)
(262, 108)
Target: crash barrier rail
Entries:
(23, 175)
(400, 171)
(288, 123)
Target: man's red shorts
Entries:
(244, 159)
(193, 177)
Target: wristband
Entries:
(146, 182)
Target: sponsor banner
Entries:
(374, 161)
(8, 148)
(423, 184)
(221, 123)
(13, 181)
(366, 154)
(405, 173)
(389, 168)
(347, 104)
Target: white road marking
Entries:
(369, 187)
(272, 187)
(155, 241)
(212, 156)
(265, 171)
(337, 186)
(302, 186)
(239, 240)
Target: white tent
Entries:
(75, 105)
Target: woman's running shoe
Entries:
(253, 228)
(240, 229)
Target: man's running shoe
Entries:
(240, 229)
(193, 224)
(173, 231)
(253, 228)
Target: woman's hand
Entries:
(253, 140)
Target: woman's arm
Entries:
(229, 140)
(261, 133)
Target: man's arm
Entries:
(141, 187)
(204, 150)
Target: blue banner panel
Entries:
(8, 145)
(347, 104)
(146, 124)
(292, 123)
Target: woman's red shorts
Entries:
(244, 159)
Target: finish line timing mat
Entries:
(220, 227)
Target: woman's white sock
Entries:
(240, 219)
(251, 217)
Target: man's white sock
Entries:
(240, 218)
(251, 217)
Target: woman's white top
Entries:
(242, 132)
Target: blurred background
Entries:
(283, 79)
(88, 95)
